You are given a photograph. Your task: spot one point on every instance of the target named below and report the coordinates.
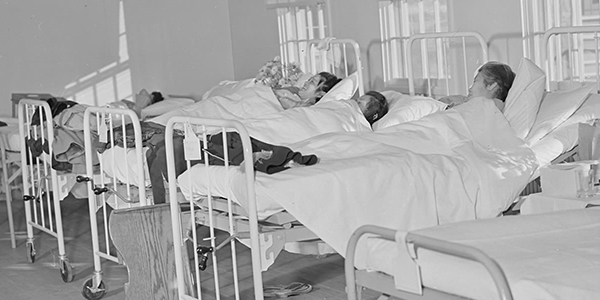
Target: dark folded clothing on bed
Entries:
(267, 158)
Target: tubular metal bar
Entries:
(103, 116)
(420, 241)
(251, 196)
(342, 43)
(26, 110)
(436, 36)
(569, 30)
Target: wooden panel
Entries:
(144, 238)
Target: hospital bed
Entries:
(123, 171)
(41, 182)
(328, 183)
(545, 256)
(571, 99)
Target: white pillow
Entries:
(343, 90)
(404, 108)
(556, 107)
(228, 87)
(524, 97)
(165, 106)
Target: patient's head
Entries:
(493, 80)
(373, 105)
(317, 86)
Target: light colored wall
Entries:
(254, 35)
(78, 50)
(498, 21)
(359, 20)
(46, 45)
(179, 46)
(73, 48)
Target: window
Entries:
(399, 19)
(572, 56)
(300, 21)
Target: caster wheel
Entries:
(30, 253)
(91, 293)
(66, 271)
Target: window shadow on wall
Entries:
(109, 83)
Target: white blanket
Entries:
(544, 256)
(461, 164)
(254, 101)
(285, 128)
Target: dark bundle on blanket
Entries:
(267, 158)
(152, 135)
(57, 105)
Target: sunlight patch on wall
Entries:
(124, 85)
(105, 91)
(109, 83)
(85, 95)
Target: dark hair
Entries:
(156, 97)
(376, 109)
(327, 82)
(499, 73)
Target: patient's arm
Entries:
(288, 99)
(454, 100)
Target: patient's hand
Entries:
(287, 98)
(454, 100)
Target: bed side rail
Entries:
(571, 57)
(420, 241)
(196, 130)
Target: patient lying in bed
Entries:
(492, 81)
(282, 129)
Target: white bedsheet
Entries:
(544, 256)
(250, 102)
(460, 164)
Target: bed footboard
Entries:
(385, 283)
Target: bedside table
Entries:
(540, 203)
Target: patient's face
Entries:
(480, 89)
(310, 88)
(363, 102)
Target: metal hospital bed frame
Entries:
(356, 279)
(448, 79)
(267, 237)
(558, 78)
(331, 55)
(109, 190)
(41, 183)
(437, 64)
(44, 187)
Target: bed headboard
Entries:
(571, 56)
(454, 67)
(337, 56)
(439, 63)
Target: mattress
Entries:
(9, 135)
(544, 256)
